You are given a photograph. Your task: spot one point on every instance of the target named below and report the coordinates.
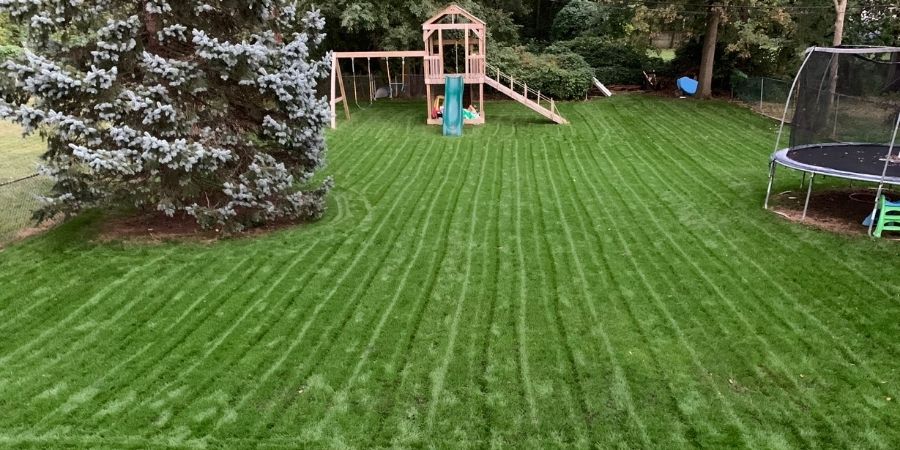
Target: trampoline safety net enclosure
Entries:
(846, 96)
(846, 111)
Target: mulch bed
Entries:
(837, 210)
(156, 227)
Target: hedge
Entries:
(560, 75)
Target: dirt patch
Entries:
(156, 228)
(33, 230)
(838, 210)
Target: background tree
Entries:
(752, 34)
(397, 24)
(196, 107)
(591, 18)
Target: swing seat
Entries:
(382, 92)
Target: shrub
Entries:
(9, 52)
(613, 61)
(563, 76)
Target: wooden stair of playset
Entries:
(519, 92)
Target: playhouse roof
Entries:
(453, 10)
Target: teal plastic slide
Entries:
(453, 106)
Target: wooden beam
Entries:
(340, 77)
(453, 26)
(466, 51)
(454, 10)
(380, 54)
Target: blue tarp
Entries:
(687, 85)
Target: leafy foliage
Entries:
(207, 109)
(589, 18)
(396, 24)
(614, 61)
(561, 75)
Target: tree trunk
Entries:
(708, 57)
(893, 83)
(840, 8)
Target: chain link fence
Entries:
(18, 201)
(764, 95)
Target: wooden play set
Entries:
(453, 26)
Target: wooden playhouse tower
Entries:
(455, 45)
(451, 29)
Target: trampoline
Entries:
(845, 105)
(852, 161)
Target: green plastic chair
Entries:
(888, 217)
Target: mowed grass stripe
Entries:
(771, 281)
(190, 331)
(415, 382)
(633, 252)
(357, 256)
(689, 157)
(440, 373)
(419, 237)
(680, 430)
(93, 300)
(693, 259)
(423, 236)
(620, 389)
(688, 261)
(744, 320)
(556, 305)
(553, 362)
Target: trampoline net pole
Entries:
(772, 166)
(787, 103)
(812, 178)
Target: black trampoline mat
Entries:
(864, 159)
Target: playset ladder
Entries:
(519, 92)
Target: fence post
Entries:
(837, 104)
(762, 83)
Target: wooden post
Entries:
(333, 92)
(428, 101)
(466, 51)
(340, 77)
(525, 90)
(387, 63)
(481, 101)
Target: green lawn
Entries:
(18, 156)
(613, 283)
(667, 54)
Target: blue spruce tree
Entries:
(205, 108)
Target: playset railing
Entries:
(521, 88)
(434, 68)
